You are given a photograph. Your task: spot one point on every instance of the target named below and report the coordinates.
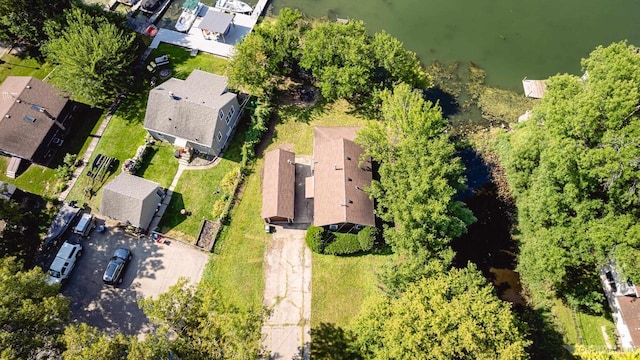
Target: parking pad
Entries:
(153, 269)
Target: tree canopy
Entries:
(448, 316)
(94, 55)
(342, 59)
(574, 168)
(32, 314)
(23, 21)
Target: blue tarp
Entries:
(61, 222)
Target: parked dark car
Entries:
(115, 269)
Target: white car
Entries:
(64, 262)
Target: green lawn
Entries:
(160, 165)
(23, 65)
(183, 63)
(36, 179)
(339, 285)
(295, 125)
(236, 269)
(588, 326)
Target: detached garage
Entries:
(278, 186)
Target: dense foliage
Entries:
(448, 316)
(574, 168)
(343, 61)
(23, 21)
(419, 176)
(94, 55)
(31, 312)
(205, 325)
(20, 236)
(322, 241)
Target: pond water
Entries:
(509, 39)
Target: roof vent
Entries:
(18, 100)
(30, 118)
(7, 116)
(349, 158)
(28, 86)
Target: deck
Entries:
(534, 88)
(195, 40)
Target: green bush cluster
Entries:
(314, 239)
(334, 243)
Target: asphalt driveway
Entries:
(153, 269)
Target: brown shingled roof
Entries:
(630, 308)
(278, 185)
(27, 109)
(339, 181)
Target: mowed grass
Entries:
(23, 65)
(236, 268)
(196, 193)
(160, 165)
(339, 285)
(36, 179)
(295, 124)
(120, 140)
(589, 327)
(182, 63)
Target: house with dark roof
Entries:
(131, 199)
(338, 181)
(278, 186)
(34, 118)
(198, 113)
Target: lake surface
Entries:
(510, 39)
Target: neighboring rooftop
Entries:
(340, 179)
(630, 309)
(188, 108)
(28, 109)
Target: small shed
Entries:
(534, 88)
(131, 199)
(217, 23)
(278, 186)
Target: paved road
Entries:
(288, 293)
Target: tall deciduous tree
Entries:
(32, 313)
(23, 21)
(83, 342)
(419, 172)
(268, 53)
(95, 57)
(575, 169)
(394, 64)
(339, 57)
(207, 328)
(448, 316)
(20, 236)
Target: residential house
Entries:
(34, 118)
(278, 186)
(132, 200)
(624, 302)
(338, 181)
(197, 113)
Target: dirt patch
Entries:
(208, 233)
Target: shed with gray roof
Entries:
(198, 112)
(131, 199)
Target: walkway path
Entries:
(288, 293)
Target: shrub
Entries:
(342, 244)
(314, 239)
(367, 237)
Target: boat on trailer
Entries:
(234, 6)
(190, 11)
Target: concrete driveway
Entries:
(152, 270)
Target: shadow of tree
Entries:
(329, 341)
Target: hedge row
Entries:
(322, 241)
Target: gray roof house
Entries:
(131, 199)
(198, 112)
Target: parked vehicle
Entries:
(115, 269)
(85, 225)
(63, 263)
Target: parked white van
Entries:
(64, 262)
(85, 225)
